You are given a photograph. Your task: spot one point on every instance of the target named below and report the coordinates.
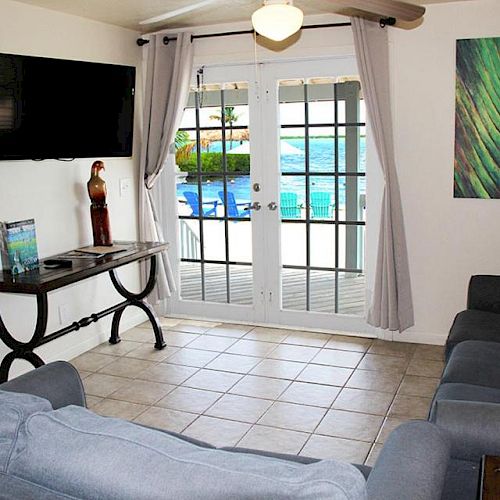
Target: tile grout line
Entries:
(273, 400)
(333, 402)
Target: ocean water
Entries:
(321, 159)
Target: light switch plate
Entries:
(125, 186)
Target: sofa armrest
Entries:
(412, 464)
(59, 382)
(473, 427)
(484, 293)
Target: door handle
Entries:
(272, 205)
(254, 206)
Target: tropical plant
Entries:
(212, 163)
(181, 139)
(183, 146)
(230, 118)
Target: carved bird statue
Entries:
(96, 186)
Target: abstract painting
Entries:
(477, 119)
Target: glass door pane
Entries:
(322, 196)
(213, 193)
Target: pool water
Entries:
(321, 159)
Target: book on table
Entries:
(18, 246)
(100, 251)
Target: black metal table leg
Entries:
(24, 350)
(137, 300)
(115, 326)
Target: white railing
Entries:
(190, 242)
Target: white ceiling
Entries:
(128, 13)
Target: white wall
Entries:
(54, 193)
(448, 239)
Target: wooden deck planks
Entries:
(351, 289)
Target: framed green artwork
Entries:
(477, 119)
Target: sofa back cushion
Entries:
(484, 293)
(83, 455)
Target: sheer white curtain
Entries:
(166, 88)
(392, 306)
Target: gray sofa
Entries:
(481, 319)
(53, 448)
(467, 402)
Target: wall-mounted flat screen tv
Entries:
(53, 108)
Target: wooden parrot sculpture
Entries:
(96, 187)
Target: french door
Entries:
(270, 196)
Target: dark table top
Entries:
(44, 280)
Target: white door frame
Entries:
(255, 313)
(266, 225)
(272, 73)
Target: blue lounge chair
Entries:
(321, 205)
(289, 207)
(232, 207)
(194, 203)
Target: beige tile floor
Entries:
(285, 391)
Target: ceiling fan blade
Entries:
(178, 12)
(385, 8)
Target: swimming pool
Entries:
(321, 159)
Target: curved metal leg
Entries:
(24, 350)
(7, 361)
(40, 328)
(137, 300)
(147, 289)
(153, 319)
(115, 327)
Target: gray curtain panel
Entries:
(392, 307)
(166, 89)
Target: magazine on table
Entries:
(18, 245)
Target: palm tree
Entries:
(230, 118)
(183, 146)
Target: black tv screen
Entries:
(53, 108)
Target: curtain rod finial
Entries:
(387, 21)
(142, 41)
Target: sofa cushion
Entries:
(364, 469)
(15, 408)
(76, 452)
(472, 426)
(484, 293)
(473, 325)
(467, 392)
(412, 464)
(474, 362)
(464, 392)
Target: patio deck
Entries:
(351, 289)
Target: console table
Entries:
(489, 478)
(41, 281)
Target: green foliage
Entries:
(181, 139)
(212, 163)
(230, 117)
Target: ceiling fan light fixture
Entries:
(277, 19)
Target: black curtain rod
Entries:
(167, 39)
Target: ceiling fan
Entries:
(279, 19)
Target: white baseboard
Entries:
(127, 322)
(415, 337)
(411, 337)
